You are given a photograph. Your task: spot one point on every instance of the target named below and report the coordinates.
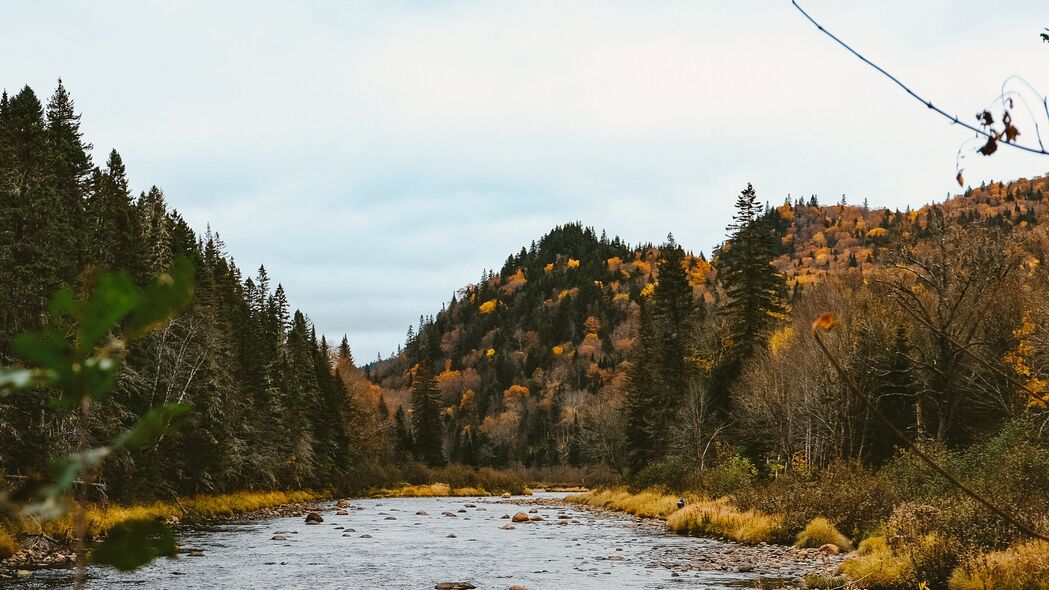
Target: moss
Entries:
(820, 532)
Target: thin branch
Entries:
(928, 103)
(928, 460)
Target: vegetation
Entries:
(820, 532)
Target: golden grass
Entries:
(1023, 567)
(699, 517)
(8, 544)
(101, 519)
(876, 566)
(719, 518)
(648, 504)
(433, 490)
(820, 532)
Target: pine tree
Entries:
(426, 415)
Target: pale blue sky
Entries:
(377, 155)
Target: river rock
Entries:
(829, 549)
(278, 538)
(342, 513)
(446, 513)
(454, 586)
(520, 517)
(342, 503)
(195, 553)
(451, 536)
(508, 527)
(517, 587)
(390, 518)
(505, 495)
(422, 513)
(314, 518)
(366, 536)
(505, 516)
(533, 511)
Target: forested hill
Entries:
(533, 362)
(271, 404)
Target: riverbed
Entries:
(415, 543)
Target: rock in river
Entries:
(454, 586)
(314, 518)
(520, 517)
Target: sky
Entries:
(376, 156)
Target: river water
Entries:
(414, 552)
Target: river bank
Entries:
(413, 543)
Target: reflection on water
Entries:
(413, 551)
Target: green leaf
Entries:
(170, 293)
(113, 298)
(44, 349)
(156, 422)
(135, 543)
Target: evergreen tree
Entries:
(426, 416)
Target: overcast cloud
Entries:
(376, 156)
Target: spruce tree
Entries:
(427, 429)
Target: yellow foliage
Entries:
(433, 490)
(1023, 567)
(647, 504)
(648, 290)
(719, 518)
(820, 532)
(549, 267)
(467, 400)
(573, 263)
(877, 232)
(621, 297)
(515, 392)
(558, 350)
(614, 263)
(489, 353)
(488, 306)
(8, 544)
(515, 281)
(590, 336)
(1019, 360)
(779, 339)
(877, 565)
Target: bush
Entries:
(672, 473)
(820, 532)
(1025, 567)
(875, 566)
(731, 474)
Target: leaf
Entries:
(824, 323)
(985, 118)
(990, 147)
(170, 293)
(113, 297)
(156, 422)
(44, 348)
(1010, 133)
(134, 543)
(960, 179)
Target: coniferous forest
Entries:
(812, 366)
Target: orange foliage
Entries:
(488, 306)
(573, 263)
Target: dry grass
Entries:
(820, 532)
(721, 519)
(1024, 567)
(101, 519)
(8, 544)
(876, 566)
(648, 504)
(433, 490)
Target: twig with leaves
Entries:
(985, 124)
(78, 354)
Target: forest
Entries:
(582, 360)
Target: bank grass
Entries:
(819, 532)
(720, 518)
(1022, 567)
(8, 543)
(101, 518)
(647, 503)
(876, 565)
(432, 490)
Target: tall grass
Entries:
(820, 532)
(8, 544)
(721, 519)
(647, 504)
(1024, 567)
(101, 518)
(433, 490)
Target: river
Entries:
(384, 543)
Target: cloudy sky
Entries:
(376, 156)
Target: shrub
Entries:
(820, 532)
(732, 473)
(8, 544)
(719, 518)
(875, 566)
(673, 473)
(1024, 567)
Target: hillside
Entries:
(531, 361)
